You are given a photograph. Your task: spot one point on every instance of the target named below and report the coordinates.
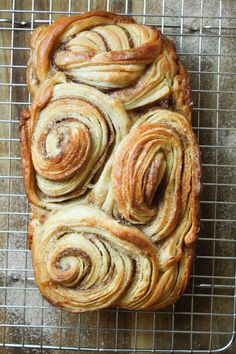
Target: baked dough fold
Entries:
(67, 136)
(132, 62)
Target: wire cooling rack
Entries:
(203, 320)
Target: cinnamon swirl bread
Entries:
(110, 163)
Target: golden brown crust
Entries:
(181, 92)
(111, 166)
(27, 166)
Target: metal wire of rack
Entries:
(203, 321)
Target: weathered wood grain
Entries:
(117, 329)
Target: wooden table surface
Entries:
(143, 321)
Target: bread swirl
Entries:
(73, 129)
(112, 53)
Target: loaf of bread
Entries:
(110, 163)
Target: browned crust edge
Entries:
(182, 93)
(27, 165)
